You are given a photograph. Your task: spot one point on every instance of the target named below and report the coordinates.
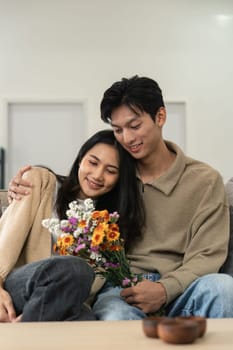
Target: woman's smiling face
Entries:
(98, 171)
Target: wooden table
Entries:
(104, 335)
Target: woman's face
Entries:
(98, 171)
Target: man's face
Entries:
(136, 132)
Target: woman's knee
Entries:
(74, 265)
(63, 270)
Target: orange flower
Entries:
(63, 251)
(104, 246)
(115, 248)
(82, 223)
(113, 233)
(100, 216)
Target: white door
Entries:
(175, 127)
(47, 133)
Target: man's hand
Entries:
(17, 186)
(7, 311)
(146, 295)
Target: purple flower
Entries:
(94, 249)
(126, 282)
(67, 229)
(79, 247)
(86, 230)
(112, 265)
(73, 221)
(114, 216)
(135, 279)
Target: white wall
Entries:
(77, 48)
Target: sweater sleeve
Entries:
(20, 224)
(207, 248)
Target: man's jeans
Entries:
(209, 296)
(51, 289)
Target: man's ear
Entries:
(161, 116)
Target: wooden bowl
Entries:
(178, 332)
(150, 325)
(202, 323)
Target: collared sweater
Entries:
(22, 237)
(187, 224)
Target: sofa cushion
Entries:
(228, 265)
(229, 191)
(3, 200)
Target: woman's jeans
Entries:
(51, 289)
(209, 296)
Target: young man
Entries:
(186, 234)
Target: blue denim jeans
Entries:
(209, 296)
(51, 289)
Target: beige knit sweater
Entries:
(22, 237)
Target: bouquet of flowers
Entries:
(94, 236)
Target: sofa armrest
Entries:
(3, 200)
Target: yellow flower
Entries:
(65, 241)
(99, 234)
(62, 244)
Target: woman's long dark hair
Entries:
(124, 198)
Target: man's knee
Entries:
(112, 309)
(217, 281)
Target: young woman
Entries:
(36, 286)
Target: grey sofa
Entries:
(227, 266)
(3, 200)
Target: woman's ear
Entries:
(160, 118)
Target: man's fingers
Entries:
(18, 190)
(12, 195)
(19, 187)
(24, 169)
(19, 181)
(126, 292)
(18, 178)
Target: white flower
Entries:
(73, 205)
(89, 204)
(64, 223)
(95, 256)
(81, 209)
(77, 232)
(72, 214)
(46, 223)
(53, 225)
(57, 230)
